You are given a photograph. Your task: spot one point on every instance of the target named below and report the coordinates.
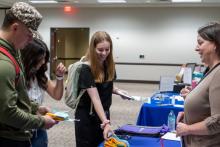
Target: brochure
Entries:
(170, 136)
(125, 95)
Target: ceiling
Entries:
(130, 3)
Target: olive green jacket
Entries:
(16, 109)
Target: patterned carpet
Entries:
(122, 112)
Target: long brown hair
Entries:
(31, 56)
(91, 55)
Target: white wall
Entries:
(163, 35)
(2, 14)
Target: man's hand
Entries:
(42, 110)
(49, 122)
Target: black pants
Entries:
(87, 131)
(13, 143)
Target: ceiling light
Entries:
(112, 1)
(43, 2)
(186, 1)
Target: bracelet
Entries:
(105, 123)
(59, 77)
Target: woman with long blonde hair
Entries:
(97, 78)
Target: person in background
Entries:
(35, 57)
(97, 78)
(199, 123)
(17, 112)
(186, 90)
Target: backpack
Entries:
(17, 68)
(71, 96)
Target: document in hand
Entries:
(61, 116)
(125, 95)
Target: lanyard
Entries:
(207, 73)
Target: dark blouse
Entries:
(86, 80)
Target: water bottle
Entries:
(171, 121)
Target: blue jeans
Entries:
(39, 138)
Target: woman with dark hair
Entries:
(199, 123)
(97, 78)
(35, 57)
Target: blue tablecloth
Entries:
(137, 141)
(156, 112)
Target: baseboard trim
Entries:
(138, 81)
(148, 64)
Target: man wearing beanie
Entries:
(17, 113)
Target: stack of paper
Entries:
(170, 136)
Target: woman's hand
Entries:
(60, 70)
(179, 117)
(124, 94)
(182, 129)
(107, 130)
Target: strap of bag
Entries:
(17, 68)
(78, 99)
